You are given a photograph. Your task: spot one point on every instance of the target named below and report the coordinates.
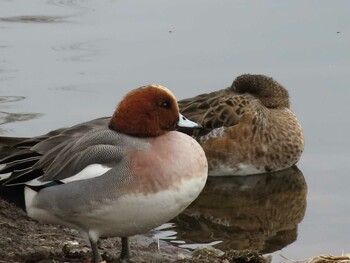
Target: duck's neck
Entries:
(131, 126)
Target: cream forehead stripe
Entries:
(161, 87)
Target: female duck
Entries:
(249, 127)
(112, 177)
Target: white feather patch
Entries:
(4, 176)
(91, 171)
(35, 182)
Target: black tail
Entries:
(13, 194)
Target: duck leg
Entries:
(95, 253)
(125, 253)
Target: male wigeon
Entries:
(111, 177)
(250, 128)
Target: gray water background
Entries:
(70, 61)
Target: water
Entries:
(257, 212)
(67, 61)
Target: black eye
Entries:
(166, 105)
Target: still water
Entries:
(68, 61)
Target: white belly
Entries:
(137, 214)
(128, 215)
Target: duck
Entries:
(110, 177)
(248, 128)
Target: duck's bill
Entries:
(186, 123)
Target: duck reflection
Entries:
(257, 212)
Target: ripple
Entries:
(8, 117)
(33, 19)
(66, 88)
(4, 99)
(85, 49)
(77, 4)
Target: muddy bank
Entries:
(25, 240)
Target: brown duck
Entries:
(249, 127)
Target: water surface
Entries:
(67, 61)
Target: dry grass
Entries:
(345, 258)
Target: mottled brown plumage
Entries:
(249, 127)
